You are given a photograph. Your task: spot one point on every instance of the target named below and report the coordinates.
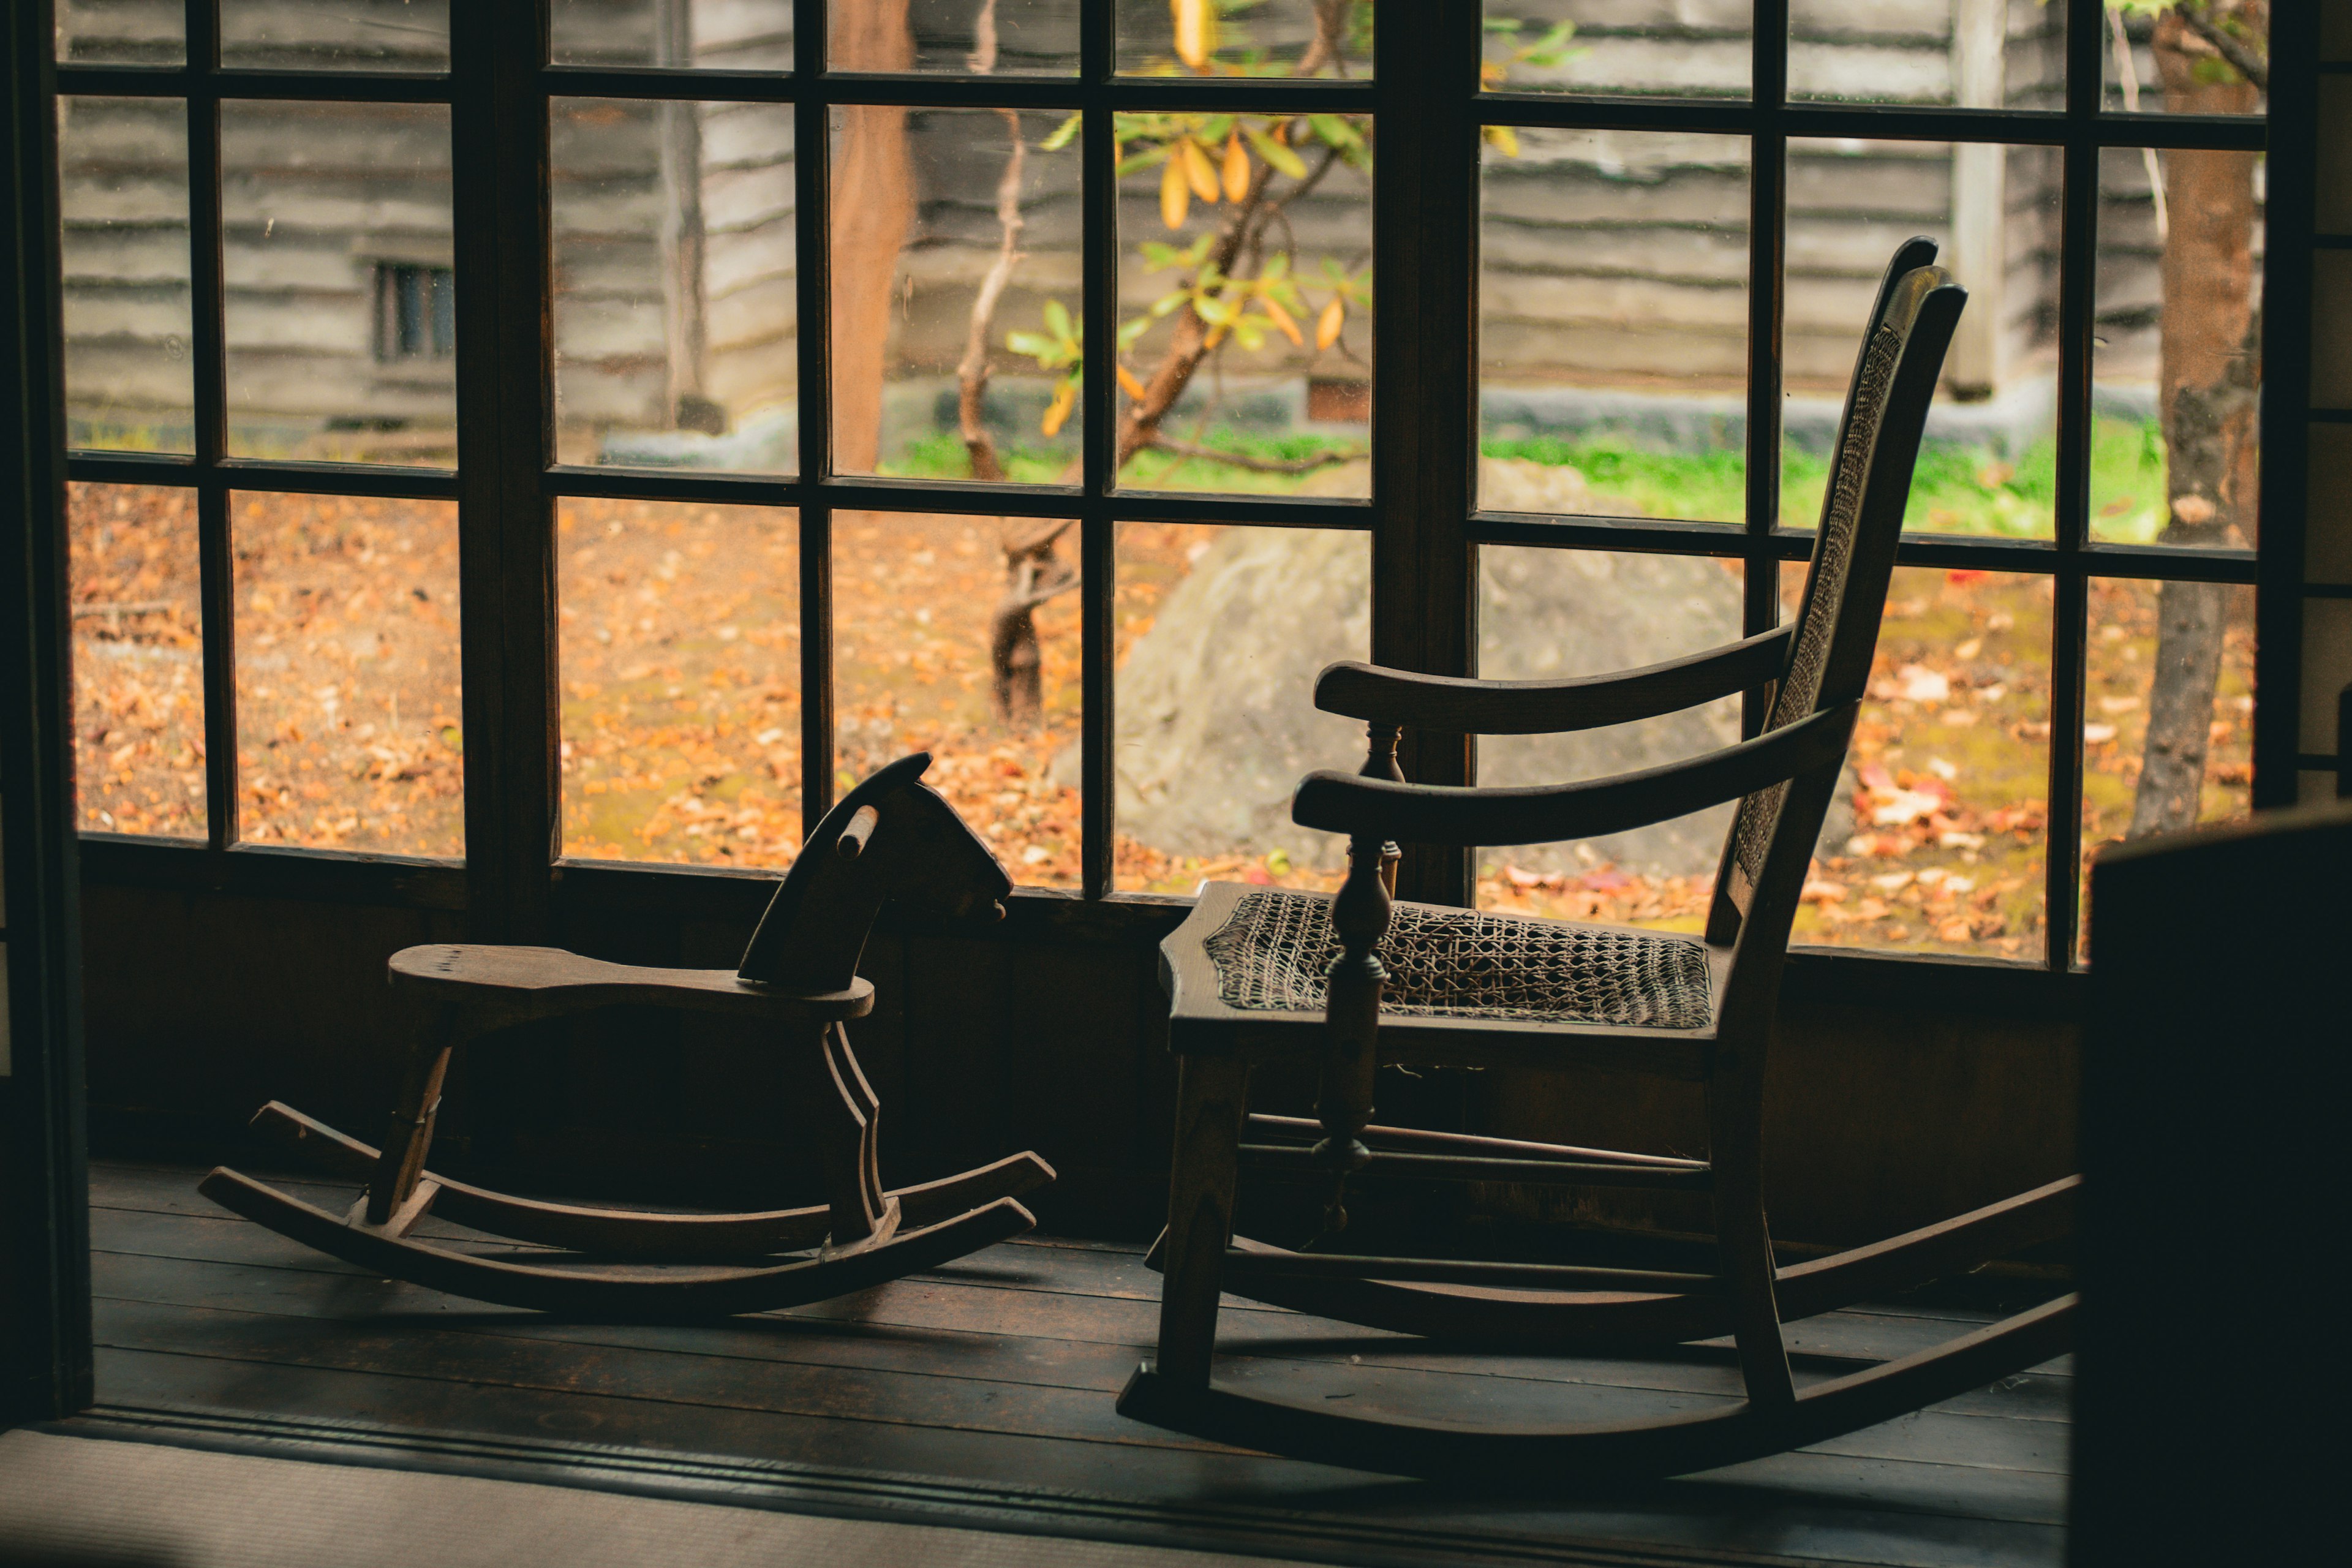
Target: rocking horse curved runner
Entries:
(893, 837)
(1347, 984)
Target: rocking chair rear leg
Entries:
(1211, 1097)
(409, 1132)
(1744, 1246)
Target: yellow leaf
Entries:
(1134, 387)
(1281, 318)
(1196, 31)
(1504, 138)
(1327, 325)
(1216, 336)
(1057, 413)
(1236, 168)
(1200, 171)
(1175, 196)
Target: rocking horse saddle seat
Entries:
(515, 985)
(1463, 986)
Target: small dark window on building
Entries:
(415, 311)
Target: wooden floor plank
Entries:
(1725, 1515)
(949, 1304)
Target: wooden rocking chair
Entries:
(892, 837)
(1349, 982)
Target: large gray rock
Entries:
(1216, 723)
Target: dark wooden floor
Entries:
(1001, 1371)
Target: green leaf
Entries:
(1062, 135)
(1334, 132)
(1276, 154)
(1057, 320)
(1129, 332)
(1036, 345)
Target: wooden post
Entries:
(1979, 182)
(684, 284)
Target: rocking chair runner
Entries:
(1265, 975)
(892, 837)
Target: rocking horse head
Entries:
(893, 837)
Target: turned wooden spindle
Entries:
(1344, 1106)
(1380, 763)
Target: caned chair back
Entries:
(1773, 832)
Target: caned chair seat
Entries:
(1273, 951)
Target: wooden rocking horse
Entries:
(893, 837)
(1352, 981)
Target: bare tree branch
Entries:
(2234, 50)
(1244, 460)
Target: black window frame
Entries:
(515, 883)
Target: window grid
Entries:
(1422, 512)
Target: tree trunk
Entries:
(2206, 399)
(873, 207)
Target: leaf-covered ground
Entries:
(680, 661)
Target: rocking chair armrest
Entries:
(1461, 705)
(1438, 814)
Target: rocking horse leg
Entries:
(845, 1109)
(409, 1134)
(1211, 1097)
(1744, 1244)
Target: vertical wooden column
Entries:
(1979, 178)
(1425, 323)
(45, 1332)
(506, 520)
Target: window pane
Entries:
(1547, 615)
(2176, 66)
(681, 672)
(1665, 46)
(1989, 462)
(957, 37)
(138, 660)
(722, 35)
(123, 32)
(1938, 839)
(1613, 310)
(959, 636)
(1245, 37)
(2177, 359)
(2167, 712)
(1221, 633)
(124, 198)
(348, 717)
(324, 207)
(336, 34)
(954, 331)
(1973, 54)
(676, 308)
(1245, 283)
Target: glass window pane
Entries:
(677, 314)
(138, 660)
(123, 32)
(1613, 323)
(123, 198)
(2327, 527)
(681, 680)
(1972, 53)
(337, 263)
(1245, 37)
(2167, 712)
(1989, 462)
(2177, 357)
(1245, 283)
(957, 37)
(1221, 633)
(1937, 840)
(959, 636)
(348, 718)
(1547, 615)
(2178, 60)
(957, 295)
(2326, 673)
(721, 35)
(336, 34)
(1670, 47)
